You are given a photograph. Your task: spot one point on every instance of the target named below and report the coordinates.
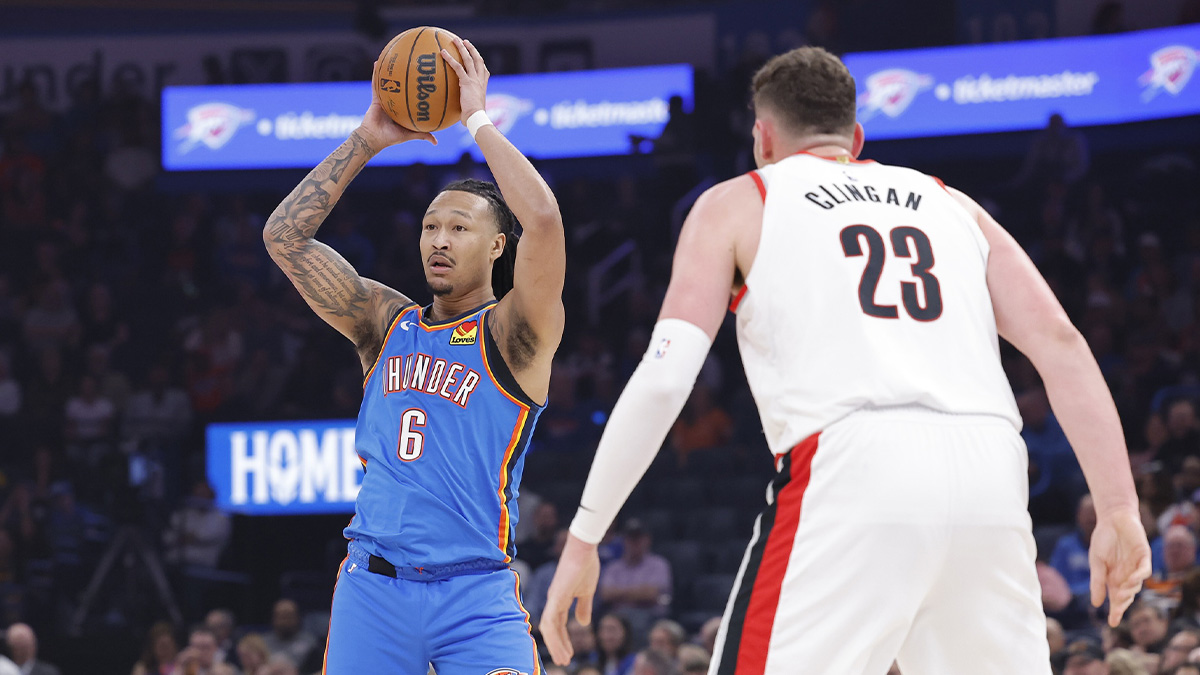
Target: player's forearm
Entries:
(1085, 410)
(300, 214)
(524, 189)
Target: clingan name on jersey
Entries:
(425, 374)
(834, 194)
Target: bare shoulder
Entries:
(735, 196)
(519, 340)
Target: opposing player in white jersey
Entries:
(868, 302)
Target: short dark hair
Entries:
(506, 222)
(810, 90)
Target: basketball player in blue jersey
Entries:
(451, 394)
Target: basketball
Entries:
(416, 88)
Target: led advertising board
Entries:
(546, 115)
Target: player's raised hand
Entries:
(1119, 557)
(472, 77)
(576, 577)
(379, 130)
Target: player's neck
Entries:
(830, 150)
(449, 306)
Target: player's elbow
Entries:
(1055, 338)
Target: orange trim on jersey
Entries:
(839, 158)
(529, 626)
(387, 337)
(325, 659)
(737, 299)
(505, 519)
(758, 182)
(434, 327)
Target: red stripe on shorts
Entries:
(764, 598)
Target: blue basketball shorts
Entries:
(465, 624)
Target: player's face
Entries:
(459, 241)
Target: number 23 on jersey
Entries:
(852, 239)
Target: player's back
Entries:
(868, 289)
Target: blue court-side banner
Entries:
(546, 115)
(284, 468)
(1014, 86)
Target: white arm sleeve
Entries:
(640, 421)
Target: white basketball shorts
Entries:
(898, 533)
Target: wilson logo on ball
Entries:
(426, 69)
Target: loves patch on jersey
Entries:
(465, 333)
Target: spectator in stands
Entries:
(539, 581)
(1179, 556)
(287, 638)
(158, 412)
(10, 399)
(160, 652)
(1082, 657)
(653, 662)
(583, 644)
(1056, 594)
(1055, 479)
(197, 532)
(1056, 155)
(200, 656)
(1177, 650)
(221, 623)
(253, 654)
(280, 665)
(112, 384)
(1183, 431)
(693, 660)
(1186, 615)
(539, 549)
(52, 322)
(1147, 627)
(638, 585)
(707, 637)
(701, 425)
(666, 636)
(22, 644)
(613, 638)
(90, 421)
(1070, 555)
(1127, 662)
(1055, 637)
(1191, 668)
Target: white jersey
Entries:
(868, 289)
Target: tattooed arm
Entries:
(358, 308)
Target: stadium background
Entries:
(138, 305)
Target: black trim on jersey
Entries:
(745, 588)
(509, 501)
(446, 324)
(391, 325)
(499, 367)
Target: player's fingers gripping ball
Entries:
(416, 88)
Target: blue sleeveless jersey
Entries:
(442, 433)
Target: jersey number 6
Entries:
(876, 252)
(412, 441)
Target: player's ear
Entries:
(497, 249)
(764, 142)
(859, 139)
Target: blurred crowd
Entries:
(133, 313)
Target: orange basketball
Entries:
(416, 87)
